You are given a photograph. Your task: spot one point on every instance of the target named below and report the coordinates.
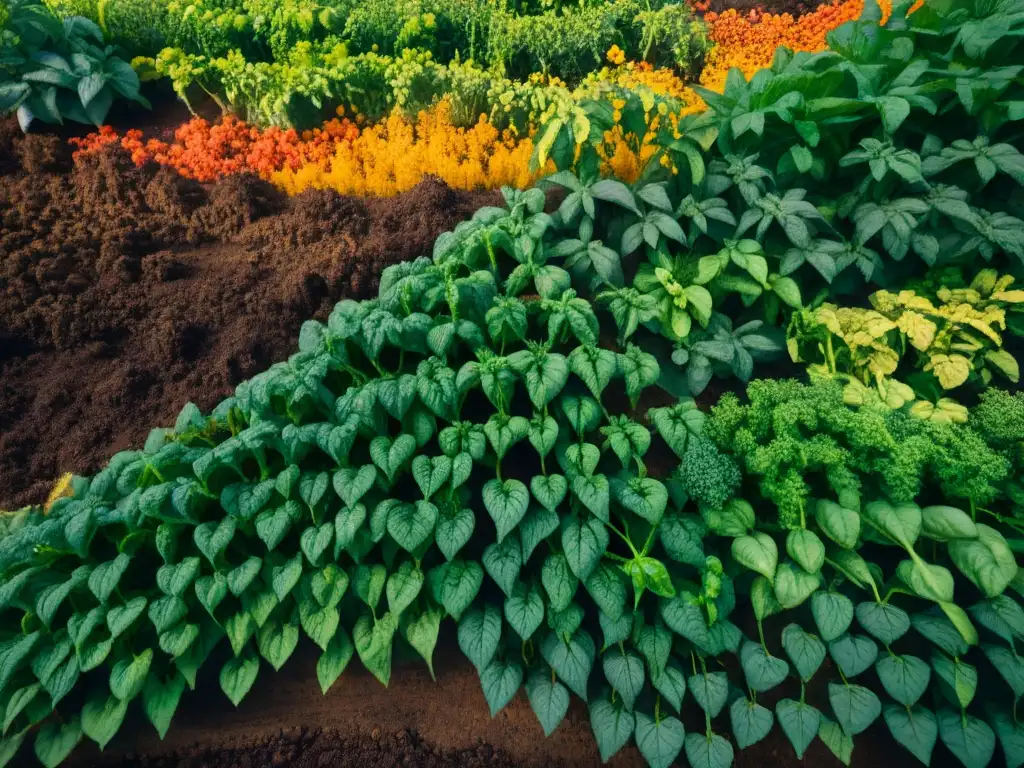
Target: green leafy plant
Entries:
(57, 71)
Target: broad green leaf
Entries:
(160, 698)
(538, 524)
(708, 751)
(106, 576)
(455, 584)
(333, 660)
(758, 552)
(987, 561)
(549, 490)
(506, 502)
(671, 684)
(806, 549)
(625, 673)
(750, 722)
(421, 633)
(121, 617)
(102, 717)
(762, 670)
(836, 739)
(944, 523)
(853, 653)
(838, 523)
(373, 639)
(905, 678)
(608, 589)
(710, 691)
(500, 681)
(958, 679)
(967, 737)
(503, 562)
(277, 640)
(549, 699)
(855, 706)
(805, 650)
(524, 610)
(799, 722)
(659, 741)
(480, 634)
(584, 541)
(887, 623)
(612, 725)
(682, 536)
(594, 492)
(686, 619)
(455, 526)
(285, 577)
(572, 659)
(916, 730)
(833, 613)
(212, 538)
(403, 587)
(1009, 665)
(941, 631)
(238, 676)
(901, 523)
(431, 474)
(793, 585)
(128, 676)
(55, 741)
(412, 524)
(559, 581)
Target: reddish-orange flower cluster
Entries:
(205, 152)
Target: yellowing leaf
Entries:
(882, 361)
(60, 489)
(897, 394)
(918, 328)
(1010, 297)
(547, 141)
(950, 370)
(580, 126)
(985, 281)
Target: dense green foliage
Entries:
(58, 70)
(291, 63)
(891, 154)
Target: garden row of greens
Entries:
(590, 534)
(292, 63)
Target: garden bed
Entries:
(156, 290)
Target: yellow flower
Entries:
(616, 55)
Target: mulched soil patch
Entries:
(127, 292)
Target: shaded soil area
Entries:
(127, 292)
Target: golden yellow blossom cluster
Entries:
(395, 155)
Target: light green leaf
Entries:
(886, 622)
(855, 706)
(758, 552)
(612, 725)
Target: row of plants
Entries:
(568, 40)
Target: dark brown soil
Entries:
(126, 292)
